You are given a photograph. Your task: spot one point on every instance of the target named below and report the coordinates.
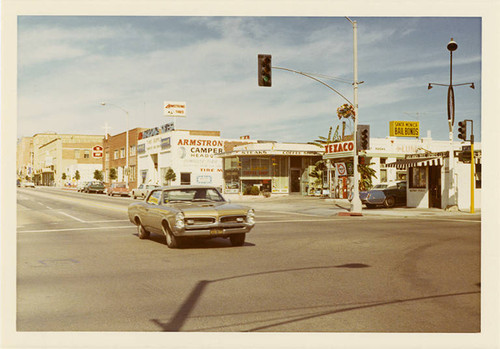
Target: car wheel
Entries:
(389, 201)
(237, 239)
(135, 197)
(141, 232)
(172, 240)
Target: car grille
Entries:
(200, 221)
(233, 219)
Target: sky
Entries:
(68, 65)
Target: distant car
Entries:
(387, 194)
(142, 190)
(27, 184)
(181, 212)
(18, 182)
(118, 188)
(94, 187)
(81, 186)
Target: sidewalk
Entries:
(329, 207)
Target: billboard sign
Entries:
(174, 109)
(404, 129)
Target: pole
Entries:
(356, 201)
(472, 179)
(126, 154)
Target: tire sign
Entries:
(97, 151)
(341, 169)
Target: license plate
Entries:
(216, 231)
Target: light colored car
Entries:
(183, 212)
(142, 190)
(27, 184)
(81, 186)
(118, 188)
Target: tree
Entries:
(98, 175)
(77, 175)
(366, 173)
(317, 172)
(112, 174)
(170, 176)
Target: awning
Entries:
(403, 164)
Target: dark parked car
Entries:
(386, 194)
(188, 211)
(94, 187)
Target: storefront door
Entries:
(435, 186)
(294, 180)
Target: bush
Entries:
(253, 190)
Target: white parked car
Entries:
(142, 190)
(27, 184)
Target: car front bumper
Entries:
(213, 230)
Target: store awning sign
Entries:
(339, 150)
(174, 109)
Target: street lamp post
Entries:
(356, 201)
(452, 46)
(126, 141)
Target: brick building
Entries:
(114, 156)
(61, 155)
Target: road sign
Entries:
(341, 169)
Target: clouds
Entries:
(66, 67)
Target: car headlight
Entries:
(179, 220)
(251, 216)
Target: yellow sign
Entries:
(404, 129)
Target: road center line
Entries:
(75, 218)
(74, 229)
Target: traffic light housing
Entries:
(462, 130)
(363, 137)
(264, 70)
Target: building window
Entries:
(107, 156)
(116, 155)
(132, 176)
(232, 175)
(77, 153)
(418, 177)
(122, 153)
(132, 150)
(185, 178)
(383, 174)
(86, 154)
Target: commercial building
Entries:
(115, 157)
(190, 154)
(58, 157)
(276, 168)
(24, 158)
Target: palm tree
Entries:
(366, 173)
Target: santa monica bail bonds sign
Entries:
(404, 129)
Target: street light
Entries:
(452, 46)
(126, 141)
(356, 201)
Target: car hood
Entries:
(214, 209)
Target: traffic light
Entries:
(462, 130)
(363, 137)
(264, 70)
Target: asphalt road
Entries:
(81, 267)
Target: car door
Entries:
(150, 211)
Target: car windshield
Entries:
(190, 195)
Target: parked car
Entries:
(81, 186)
(182, 212)
(27, 184)
(387, 194)
(142, 190)
(94, 187)
(118, 188)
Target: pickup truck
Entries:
(94, 187)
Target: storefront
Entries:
(429, 183)
(275, 168)
(190, 154)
